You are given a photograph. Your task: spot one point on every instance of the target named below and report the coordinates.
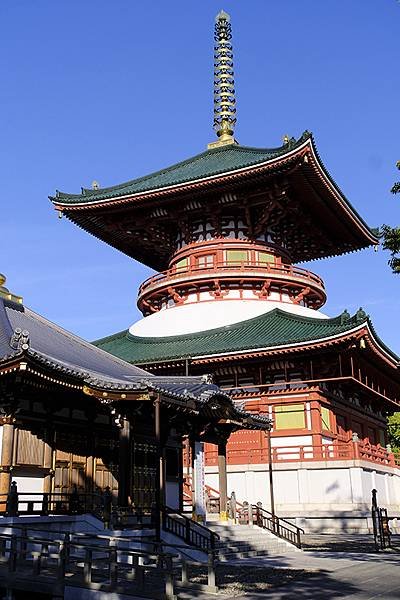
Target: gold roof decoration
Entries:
(5, 293)
(224, 90)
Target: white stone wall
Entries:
(29, 486)
(318, 489)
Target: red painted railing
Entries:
(231, 267)
(324, 452)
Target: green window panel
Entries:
(290, 416)
(236, 256)
(326, 419)
(182, 264)
(265, 258)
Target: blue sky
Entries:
(111, 90)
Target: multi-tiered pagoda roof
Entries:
(287, 188)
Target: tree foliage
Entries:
(391, 236)
(394, 431)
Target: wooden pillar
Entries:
(181, 477)
(191, 456)
(48, 460)
(159, 468)
(89, 480)
(222, 480)
(6, 460)
(316, 428)
(270, 474)
(124, 463)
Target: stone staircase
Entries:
(242, 541)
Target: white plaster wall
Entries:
(395, 487)
(291, 441)
(286, 488)
(329, 486)
(387, 485)
(312, 487)
(201, 316)
(29, 485)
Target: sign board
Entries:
(199, 493)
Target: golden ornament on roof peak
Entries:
(224, 90)
(5, 293)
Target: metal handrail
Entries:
(193, 533)
(266, 520)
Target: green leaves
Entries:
(391, 236)
(394, 431)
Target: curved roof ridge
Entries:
(272, 152)
(72, 338)
(231, 327)
(338, 189)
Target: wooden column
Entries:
(191, 455)
(90, 474)
(6, 459)
(181, 477)
(316, 427)
(48, 460)
(270, 474)
(160, 487)
(124, 463)
(222, 480)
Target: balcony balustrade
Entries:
(221, 269)
(326, 452)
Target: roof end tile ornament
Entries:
(361, 315)
(20, 339)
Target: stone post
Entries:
(124, 463)
(222, 479)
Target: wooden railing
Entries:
(40, 503)
(268, 270)
(101, 506)
(38, 563)
(324, 452)
(191, 532)
(212, 495)
(38, 560)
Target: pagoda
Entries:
(224, 231)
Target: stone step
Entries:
(249, 554)
(251, 544)
(247, 537)
(242, 541)
(247, 549)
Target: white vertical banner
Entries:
(199, 494)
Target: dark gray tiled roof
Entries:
(65, 352)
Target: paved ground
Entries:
(350, 542)
(336, 575)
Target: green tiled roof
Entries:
(274, 328)
(208, 163)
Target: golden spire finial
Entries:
(5, 293)
(224, 90)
